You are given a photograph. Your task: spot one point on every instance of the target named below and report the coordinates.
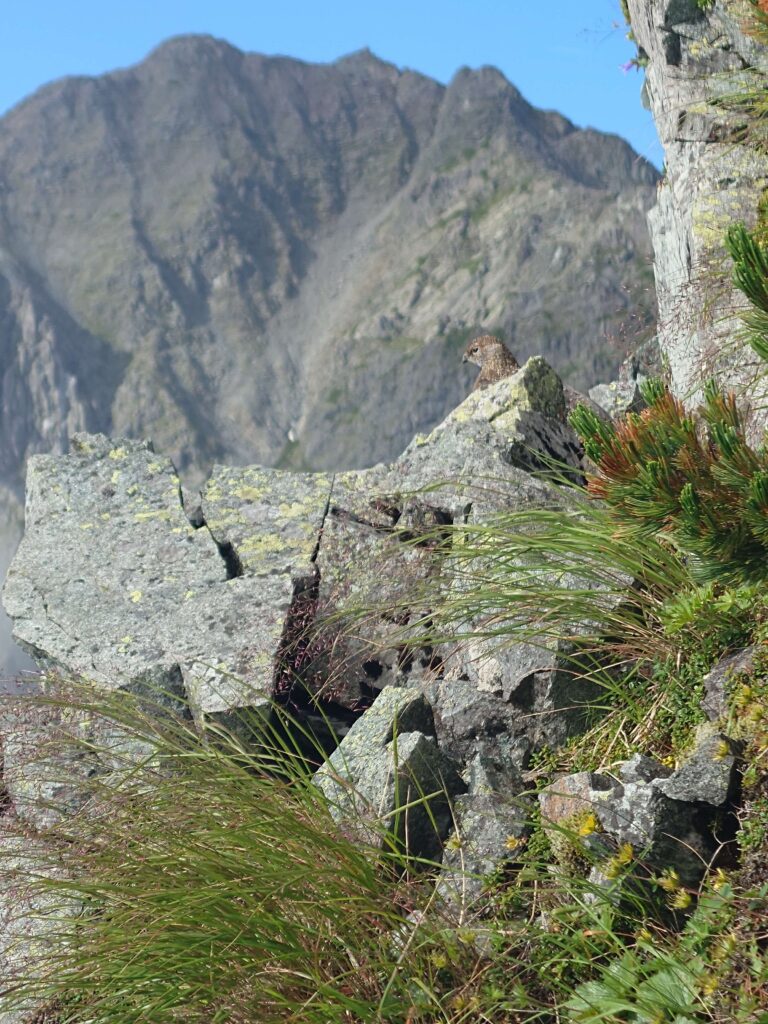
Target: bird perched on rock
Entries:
(493, 357)
(496, 362)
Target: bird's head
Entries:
(479, 349)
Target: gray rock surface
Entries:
(489, 820)
(388, 772)
(114, 584)
(567, 801)
(716, 682)
(708, 775)
(668, 817)
(699, 59)
(618, 398)
(29, 919)
(470, 722)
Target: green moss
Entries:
(471, 265)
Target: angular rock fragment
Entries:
(490, 823)
(667, 817)
(715, 701)
(388, 772)
(618, 398)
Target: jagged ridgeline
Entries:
(254, 259)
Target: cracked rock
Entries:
(112, 584)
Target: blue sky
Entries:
(562, 54)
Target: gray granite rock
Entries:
(389, 760)
(669, 816)
(569, 798)
(640, 768)
(700, 58)
(112, 584)
(489, 820)
(707, 776)
(470, 722)
(666, 816)
(714, 704)
(618, 398)
(30, 918)
(537, 681)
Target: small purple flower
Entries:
(626, 68)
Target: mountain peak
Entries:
(255, 258)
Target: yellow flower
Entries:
(620, 859)
(725, 947)
(722, 750)
(669, 880)
(680, 900)
(744, 695)
(719, 879)
(514, 842)
(625, 853)
(709, 984)
(588, 825)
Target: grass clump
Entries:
(213, 890)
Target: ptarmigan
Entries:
(493, 357)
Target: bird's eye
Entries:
(473, 349)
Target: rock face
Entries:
(295, 587)
(298, 589)
(699, 58)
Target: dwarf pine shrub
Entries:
(750, 275)
(692, 479)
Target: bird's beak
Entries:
(464, 358)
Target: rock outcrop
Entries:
(703, 64)
(295, 589)
(116, 583)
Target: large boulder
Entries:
(114, 583)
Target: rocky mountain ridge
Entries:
(255, 259)
(252, 259)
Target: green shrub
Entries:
(750, 275)
(694, 481)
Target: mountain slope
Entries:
(256, 259)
